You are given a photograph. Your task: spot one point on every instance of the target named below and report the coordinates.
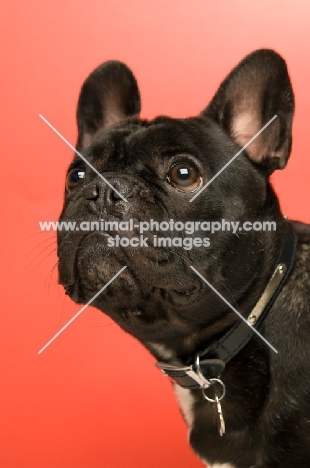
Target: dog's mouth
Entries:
(179, 297)
(149, 276)
(187, 295)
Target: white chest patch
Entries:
(186, 402)
(217, 465)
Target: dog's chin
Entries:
(134, 292)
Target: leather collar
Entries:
(210, 363)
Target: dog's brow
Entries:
(82, 157)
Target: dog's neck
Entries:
(229, 334)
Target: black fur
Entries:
(158, 298)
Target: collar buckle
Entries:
(181, 374)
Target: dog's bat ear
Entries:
(255, 91)
(108, 95)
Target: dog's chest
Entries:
(226, 465)
(186, 402)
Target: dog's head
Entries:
(152, 170)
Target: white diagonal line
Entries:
(81, 310)
(232, 159)
(82, 157)
(232, 308)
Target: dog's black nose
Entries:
(99, 191)
(122, 188)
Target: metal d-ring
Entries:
(217, 398)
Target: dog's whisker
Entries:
(59, 296)
(35, 234)
(38, 264)
(43, 242)
(41, 253)
(48, 280)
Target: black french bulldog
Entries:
(247, 404)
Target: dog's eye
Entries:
(74, 178)
(184, 177)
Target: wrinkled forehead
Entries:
(144, 139)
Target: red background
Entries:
(93, 398)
